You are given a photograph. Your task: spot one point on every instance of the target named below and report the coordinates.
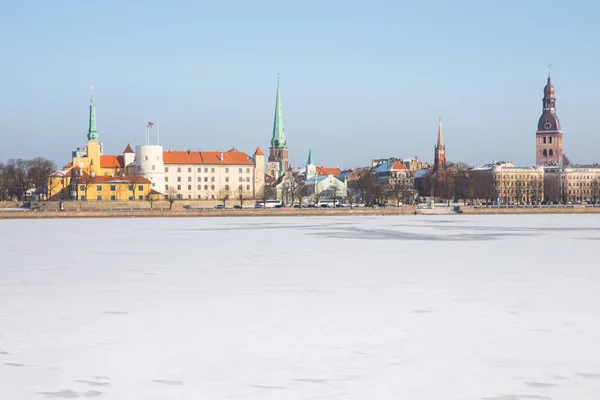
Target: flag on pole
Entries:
(150, 124)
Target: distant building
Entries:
(503, 182)
(548, 137)
(439, 163)
(579, 183)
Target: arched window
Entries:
(247, 187)
(205, 187)
(545, 153)
(226, 187)
(199, 187)
(189, 187)
(240, 188)
(551, 152)
(544, 139)
(178, 187)
(212, 187)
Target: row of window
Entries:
(547, 153)
(550, 141)
(113, 197)
(212, 179)
(112, 188)
(212, 187)
(212, 170)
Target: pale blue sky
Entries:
(359, 79)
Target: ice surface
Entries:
(411, 308)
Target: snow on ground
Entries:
(415, 308)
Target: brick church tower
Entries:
(439, 163)
(548, 138)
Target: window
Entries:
(199, 179)
(247, 187)
(227, 187)
(545, 153)
(199, 197)
(544, 140)
(206, 170)
(189, 187)
(166, 187)
(212, 170)
(190, 169)
(212, 187)
(130, 198)
(199, 169)
(551, 152)
(212, 196)
(113, 197)
(178, 179)
(153, 168)
(146, 158)
(178, 187)
(82, 188)
(240, 170)
(226, 170)
(99, 188)
(82, 197)
(212, 178)
(247, 170)
(189, 178)
(166, 179)
(166, 169)
(247, 179)
(241, 179)
(140, 187)
(205, 187)
(189, 196)
(206, 179)
(199, 187)
(141, 197)
(99, 197)
(226, 179)
(550, 140)
(240, 188)
(178, 169)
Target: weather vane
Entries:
(549, 67)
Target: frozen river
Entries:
(402, 308)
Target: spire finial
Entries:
(549, 68)
(278, 139)
(92, 130)
(92, 94)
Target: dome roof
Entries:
(549, 89)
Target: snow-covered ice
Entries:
(415, 308)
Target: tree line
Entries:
(17, 176)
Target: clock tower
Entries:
(548, 138)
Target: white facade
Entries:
(210, 181)
(149, 163)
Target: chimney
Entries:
(222, 158)
(189, 151)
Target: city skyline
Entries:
(349, 93)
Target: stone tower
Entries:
(278, 150)
(259, 173)
(439, 163)
(548, 138)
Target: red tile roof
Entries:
(206, 157)
(398, 166)
(259, 152)
(326, 171)
(120, 179)
(111, 162)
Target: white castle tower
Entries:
(149, 162)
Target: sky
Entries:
(359, 80)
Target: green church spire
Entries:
(309, 157)
(92, 131)
(281, 168)
(278, 131)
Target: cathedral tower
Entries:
(439, 163)
(94, 149)
(278, 150)
(548, 138)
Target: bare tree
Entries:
(172, 196)
(86, 181)
(18, 178)
(595, 190)
(242, 195)
(150, 198)
(134, 180)
(223, 196)
(39, 172)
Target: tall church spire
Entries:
(278, 139)
(309, 157)
(440, 139)
(92, 131)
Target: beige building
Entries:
(509, 184)
(572, 183)
(214, 175)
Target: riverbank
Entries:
(281, 212)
